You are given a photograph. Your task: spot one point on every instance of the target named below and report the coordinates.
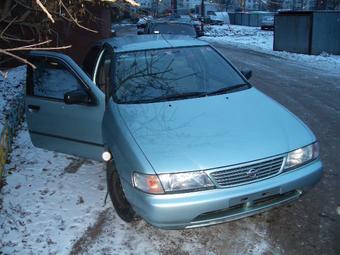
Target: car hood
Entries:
(214, 131)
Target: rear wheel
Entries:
(116, 192)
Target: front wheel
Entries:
(116, 192)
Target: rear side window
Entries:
(173, 28)
(52, 79)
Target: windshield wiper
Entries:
(166, 98)
(190, 94)
(181, 96)
(233, 88)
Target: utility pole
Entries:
(154, 7)
(174, 6)
(156, 12)
(202, 15)
(202, 9)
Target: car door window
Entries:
(52, 79)
(103, 71)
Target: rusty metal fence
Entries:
(252, 19)
(308, 32)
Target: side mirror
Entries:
(78, 96)
(247, 73)
(139, 32)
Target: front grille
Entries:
(273, 200)
(247, 173)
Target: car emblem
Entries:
(252, 173)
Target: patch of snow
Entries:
(10, 86)
(247, 236)
(249, 37)
(254, 38)
(47, 208)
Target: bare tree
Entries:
(30, 24)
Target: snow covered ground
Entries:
(243, 36)
(11, 83)
(255, 39)
(54, 204)
(45, 207)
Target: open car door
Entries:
(64, 108)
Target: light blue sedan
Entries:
(188, 141)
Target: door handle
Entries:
(33, 108)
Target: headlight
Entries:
(190, 181)
(180, 182)
(148, 183)
(302, 156)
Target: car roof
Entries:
(169, 21)
(152, 41)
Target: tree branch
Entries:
(45, 10)
(26, 48)
(17, 58)
(74, 20)
(8, 52)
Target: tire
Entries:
(116, 192)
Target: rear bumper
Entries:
(203, 208)
(268, 26)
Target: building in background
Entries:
(164, 6)
(273, 5)
(191, 4)
(251, 5)
(145, 4)
(194, 6)
(210, 7)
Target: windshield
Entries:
(268, 18)
(169, 74)
(173, 28)
(185, 18)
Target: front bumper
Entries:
(209, 207)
